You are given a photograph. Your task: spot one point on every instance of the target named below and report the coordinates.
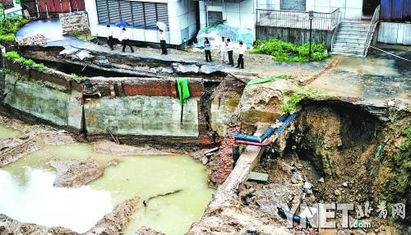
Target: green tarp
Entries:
(265, 79)
(183, 90)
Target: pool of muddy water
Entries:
(28, 194)
(8, 132)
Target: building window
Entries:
(143, 15)
(295, 5)
(214, 17)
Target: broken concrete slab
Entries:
(69, 51)
(209, 69)
(258, 177)
(180, 68)
(83, 54)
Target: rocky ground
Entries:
(31, 139)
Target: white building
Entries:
(243, 13)
(142, 16)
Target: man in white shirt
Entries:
(123, 38)
(223, 50)
(110, 39)
(241, 50)
(230, 50)
(162, 36)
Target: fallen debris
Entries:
(117, 220)
(258, 177)
(145, 202)
(147, 231)
(11, 226)
(33, 40)
(76, 173)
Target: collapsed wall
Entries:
(128, 107)
(358, 152)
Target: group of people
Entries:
(122, 37)
(125, 40)
(226, 48)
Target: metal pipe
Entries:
(47, 11)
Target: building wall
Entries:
(240, 15)
(350, 9)
(394, 33)
(244, 14)
(182, 23)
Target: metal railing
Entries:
(371, 29)
(298, 19)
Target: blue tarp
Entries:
(396, 10)
(286, 119)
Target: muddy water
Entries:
(7, 132)
(30, 180)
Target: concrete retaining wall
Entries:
(139, 106)
(142, 115)
(74, 21)
(44, 100)
(296, 36)
(394, 33)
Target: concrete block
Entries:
(142, 115)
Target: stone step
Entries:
(347, 46)
(347, 54)
(353, 29)
(355, 25)
(350, 39)
(352, 34)
(343, 47)
(350, 43)
(361, 23)
(348, 50)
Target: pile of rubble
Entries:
(33, 40)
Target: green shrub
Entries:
(14, 55)
(82, 35)
(291, 105)
(9, 27)
(76, 33)
(289, 52)
(7, 38)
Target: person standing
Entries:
(123, 38)
(223, 50)
(110, 38)
(241, 50)
(162, 35)
(207, 50)
(230, 52)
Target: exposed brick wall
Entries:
(160, 88)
